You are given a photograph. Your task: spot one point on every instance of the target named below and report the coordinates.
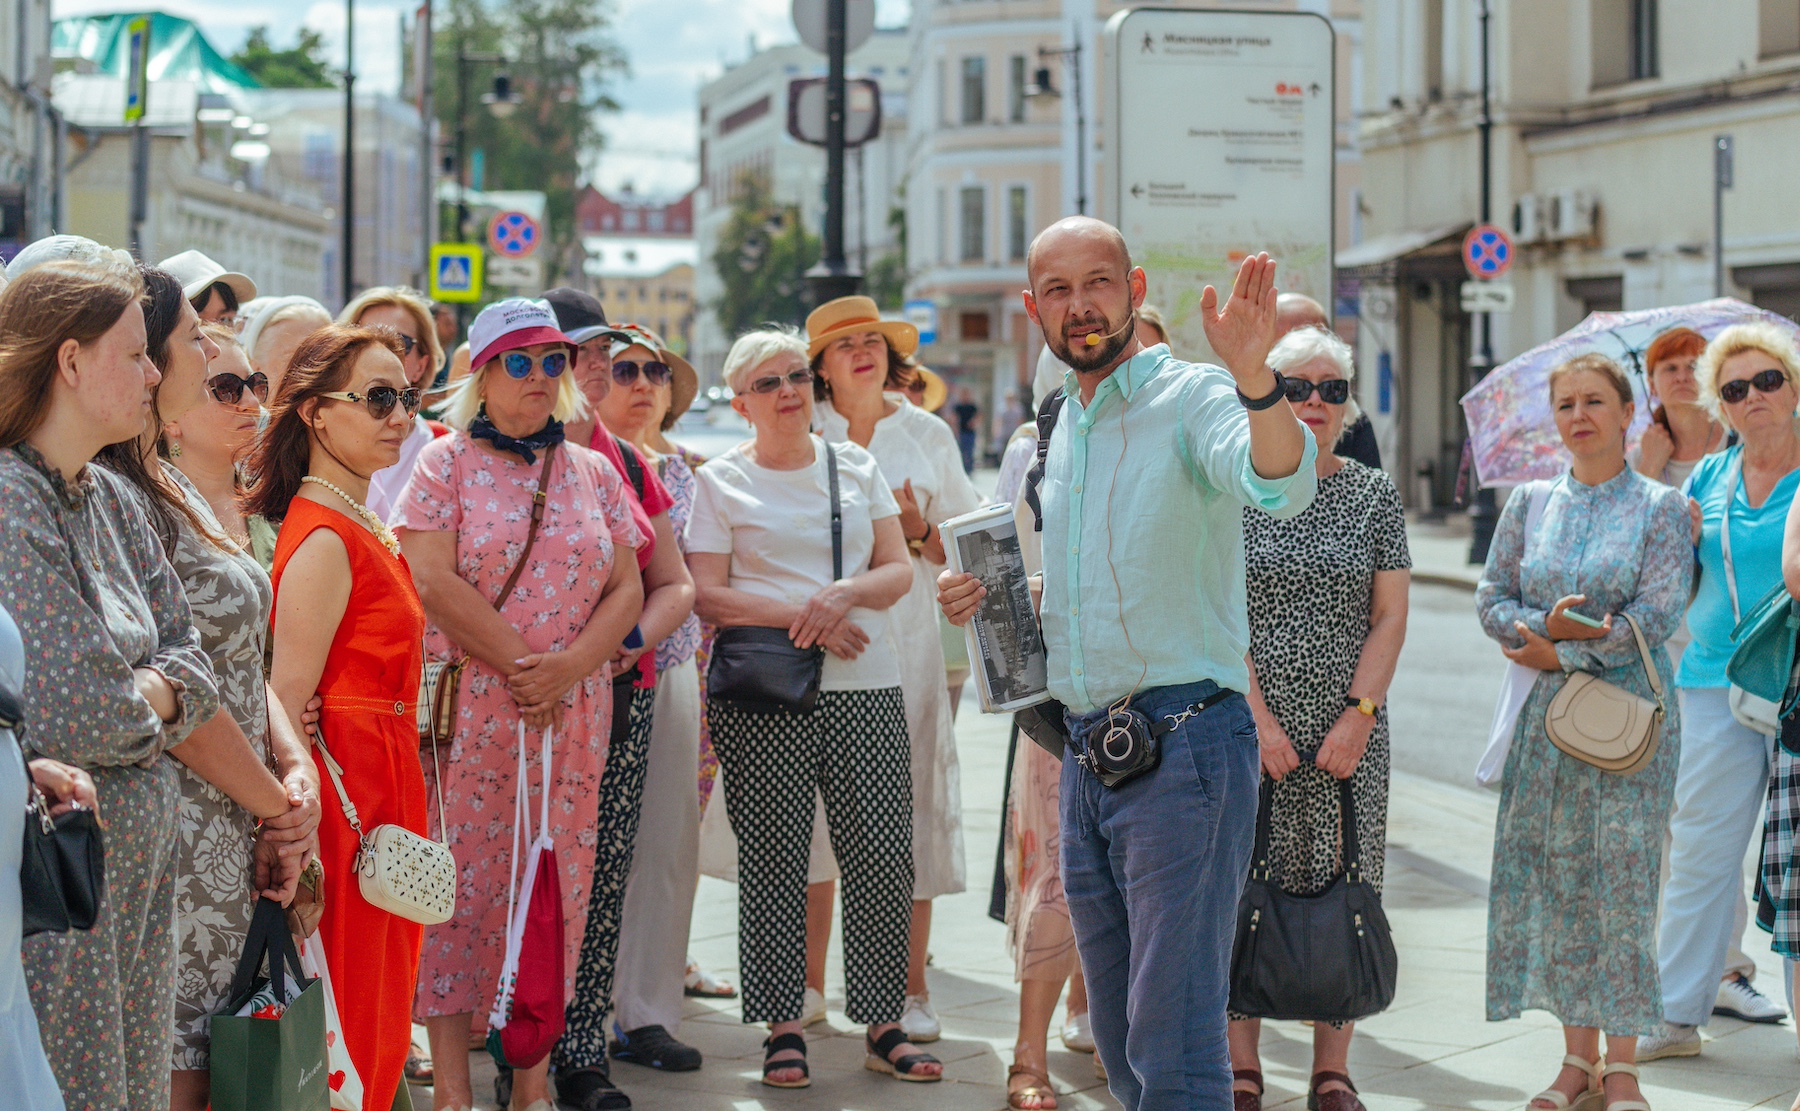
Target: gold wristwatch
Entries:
(1363, 706)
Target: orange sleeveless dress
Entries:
(370, 689)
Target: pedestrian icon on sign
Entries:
(456, 272)
(453, 273)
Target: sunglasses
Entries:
(382, 399)
(1765, 381)
(228, 389)
(773, 382)
(657, 374)
(1332, 391)
(407, 343)
(519, 365)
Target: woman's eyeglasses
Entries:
(228, 389)
(519, 365)
(773, 382)
(1332, 391)
(656, 373)
(407, 343)
(1765, 381)
(382, 399)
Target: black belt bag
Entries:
(760, 669)
(1327, 957)
(1129, 743)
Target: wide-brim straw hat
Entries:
(684, 383)
(937, 391)
(848, 315)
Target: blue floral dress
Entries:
(1578, 851)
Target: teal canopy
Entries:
(178, 50)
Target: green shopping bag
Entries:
(270, 1064)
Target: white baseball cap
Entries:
(196, 272)
(511, 324)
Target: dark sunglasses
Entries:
(1332, 391)
(1765, 381)
(407, 343)
(382, 399)
(657, 374)
(773, 382)
(228, 389)
(518, 364)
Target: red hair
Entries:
(1676, 343)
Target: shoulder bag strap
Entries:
(336, 771)
(1265, 804)
(1644, 653)
(1350, 850)
(837, 516)
(1725, 539)
(537, 518)
(634, 467)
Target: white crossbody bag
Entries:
(399, 871)
(1751, 711)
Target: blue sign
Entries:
(1487, 252)
(456, 272)
(923, 316)
(513, 234)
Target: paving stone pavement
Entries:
(1433, 1049)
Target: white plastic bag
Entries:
(342, 1079)
(1515, 686)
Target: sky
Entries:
(674, 46)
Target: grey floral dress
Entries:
(1578, 851)
(230, 597)
(83, 574)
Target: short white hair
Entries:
(464, 401)
(1303, 345)
(753, 349)
(275, 310)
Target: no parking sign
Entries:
(513, 234)
(1487, 252)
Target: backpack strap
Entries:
(1046, 424)
(634, 467)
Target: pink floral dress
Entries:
(485, 500)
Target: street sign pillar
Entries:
(833, 276)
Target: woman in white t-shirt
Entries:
(760, 549)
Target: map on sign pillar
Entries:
(1225, 148)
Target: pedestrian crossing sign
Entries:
(456, 272)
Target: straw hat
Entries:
(848, 315)
(937, 391)
(684, 384)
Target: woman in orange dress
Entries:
(348, 625)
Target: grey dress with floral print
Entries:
(83, 574)
(230, 596)
(1578, 851)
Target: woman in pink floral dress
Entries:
(463, 521)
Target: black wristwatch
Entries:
(1258, 404)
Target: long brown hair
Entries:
(48, 306)
(321, 365)
(163, 300)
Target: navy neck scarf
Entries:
(527, 447)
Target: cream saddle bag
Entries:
(1605, 725)
(399, 871)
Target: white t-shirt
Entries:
(385, 485)
(776, 527)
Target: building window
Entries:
(943, 95)
(1778, 30)
(974, 89)
(943, 227)
(973, 241)
(1015, 89)
(973, 327)
(1433, 33)
(1624, 35)
(1017, 224)
(1643, 40)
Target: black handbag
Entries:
(1327, 957)
(62, 875)
(759, 669)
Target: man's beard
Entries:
(1085, 358)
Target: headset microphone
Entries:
(1095, 339)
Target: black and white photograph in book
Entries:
(1006, 642)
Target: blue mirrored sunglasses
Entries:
(552, 363)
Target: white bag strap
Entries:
(522, 837)
(1737, 467)
(336, 771)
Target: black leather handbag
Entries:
(760, 669)
(1327, 957)
(62, 876)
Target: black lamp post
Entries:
(502, 102)
(348, 207)
(1484, 514)
(1041, 87)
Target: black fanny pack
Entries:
(1128, 744)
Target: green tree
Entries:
(762, 259)
(886, 280)
(561, 59)
(301, 66)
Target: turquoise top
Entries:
(1143, 494)
(1756, 536)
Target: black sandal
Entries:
(877, 1059)
(587, 1089)
(1242, 1100)
(780, 1043)
(1336, 1100)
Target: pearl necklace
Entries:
(375, 524)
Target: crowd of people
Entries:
(276, 580)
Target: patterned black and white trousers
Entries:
(852, 750)
(583, 1043)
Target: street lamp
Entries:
(1041, 88)
(501, 101)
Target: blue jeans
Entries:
(1152, 871)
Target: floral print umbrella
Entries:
(1512, 434)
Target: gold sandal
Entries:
(1586, 1101)
(1038, 1090)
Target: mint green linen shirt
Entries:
(1143, 498)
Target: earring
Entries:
(175, 449)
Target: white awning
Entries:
(1396, 245)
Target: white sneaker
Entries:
(812, 1008)
(919, 1022)
(1078, 1034)
(1739, 999)
(1676, 1040)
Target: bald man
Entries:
(1297, 310)
(1150, 467)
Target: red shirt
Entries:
(656, 499)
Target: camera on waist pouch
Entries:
(1126, 746)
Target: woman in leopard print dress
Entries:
(1327, 594)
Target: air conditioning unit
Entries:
(1572, 214)
(1529, 219)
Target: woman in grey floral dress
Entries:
(1578, 851)
(115, 674)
